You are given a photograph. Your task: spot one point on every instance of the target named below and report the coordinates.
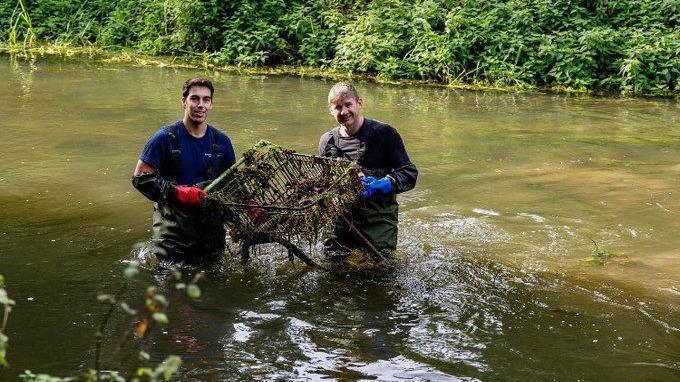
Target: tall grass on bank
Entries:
(20, 27)
(622, 46)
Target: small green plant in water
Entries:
(601, 256)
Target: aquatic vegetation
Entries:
(625, 46)
(602, 256)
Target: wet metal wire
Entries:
(276, 195)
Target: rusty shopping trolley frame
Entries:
(273, 195)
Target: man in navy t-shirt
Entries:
(177, 161)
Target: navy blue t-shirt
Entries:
(195, 154)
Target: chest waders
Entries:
(376, 217)
(187, 233)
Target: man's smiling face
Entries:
(345, 110)
(197, 104)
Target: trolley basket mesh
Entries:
(272, 193)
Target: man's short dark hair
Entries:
(197, 81)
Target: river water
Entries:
(498, 280)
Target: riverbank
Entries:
(130, 57)
(625, 47)
(203, 62)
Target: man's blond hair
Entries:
(342, 90)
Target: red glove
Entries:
(257, 215)
(190, 196)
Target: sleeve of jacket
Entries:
(154, 187)
(404, 173)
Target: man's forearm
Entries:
(153, 186)
(404, 177)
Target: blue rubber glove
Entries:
(378, 186)
(367, 179)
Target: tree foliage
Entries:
(629, 46)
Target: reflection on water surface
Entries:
(497, 281)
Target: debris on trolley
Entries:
(275, 195)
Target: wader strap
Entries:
(334, 150)
(336, 138)
(215, 157)
(361, 152)
(174, 171)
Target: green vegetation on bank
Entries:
(623, 46)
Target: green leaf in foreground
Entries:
(131, 271)
(28, 376)
(106, 298)
(170, 366)
(3, 349)
(166, 369)
(4, 298)
(161, 318)
(193, 291)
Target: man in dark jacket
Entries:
(387, 170)
(177, 161)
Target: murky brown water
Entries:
(495, 286)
